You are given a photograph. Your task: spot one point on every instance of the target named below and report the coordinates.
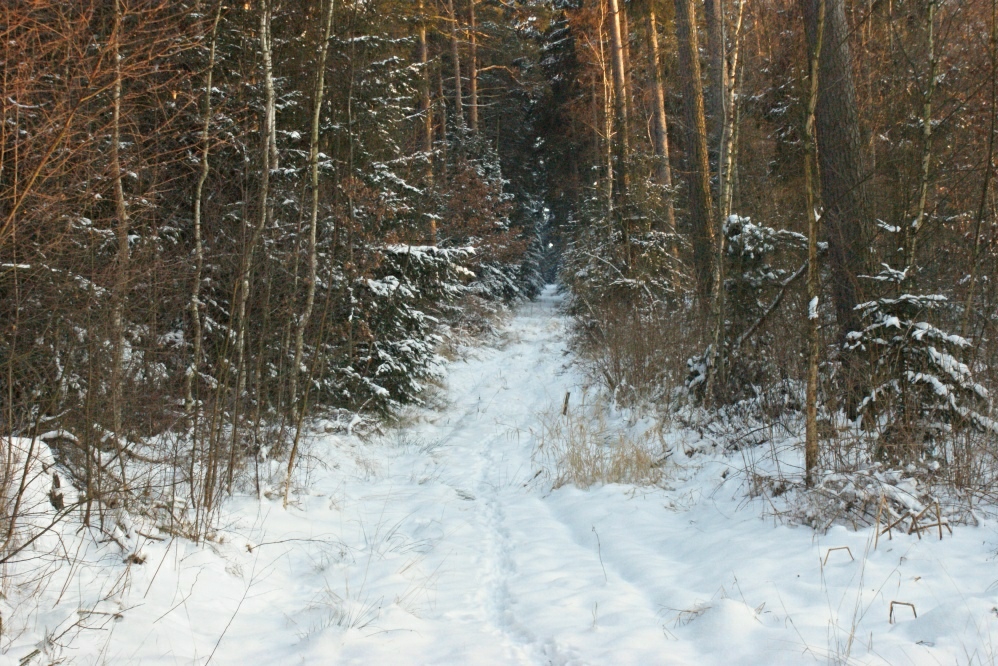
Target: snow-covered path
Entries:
(440, 544)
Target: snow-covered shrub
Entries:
(390, 332)
(917, 387)
(761, 264)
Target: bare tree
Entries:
(313, 225)
(206, 139)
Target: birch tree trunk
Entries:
(716, 102)
(195, 302)
(123, 256)
(268, 161)
(313, 167)
(313, 225)
(726, 162)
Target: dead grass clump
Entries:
(580, 447)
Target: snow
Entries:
(443, 543)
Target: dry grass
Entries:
(582, 448)
(636, 353)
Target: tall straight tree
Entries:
(269, 159)
(663, 170)
(716, 102)
(206, 138)
(701, 203)
(313, 224)
(620, 99)
(123, 261)
(811, 449)
(840, 162)
(472, 69)
(425, 106)
(455, 54)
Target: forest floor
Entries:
(443, 542)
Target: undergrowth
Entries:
(584, 447)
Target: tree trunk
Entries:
(313, 166)
(716, 102)
(123, 258)
(840, 163)
(473, 69)
(268, 162)
(701, 204)
(663, 170)
(811, 448)
(923, 191)
(425, 106)
(988, 167)
(729, 129)
(455, 54)
(313, 226)
(619, 138)
(195, 302)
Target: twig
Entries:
(772, 306)
(890, 616)
(599, 551)
(829, 552)
(233, 617)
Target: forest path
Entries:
(442, 543)
(513, 576)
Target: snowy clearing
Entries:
(443, 543)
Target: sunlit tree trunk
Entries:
(620, 123)
(716, 101)
(425, 104)
(663, 169)
(473, 69)
(455, 53)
